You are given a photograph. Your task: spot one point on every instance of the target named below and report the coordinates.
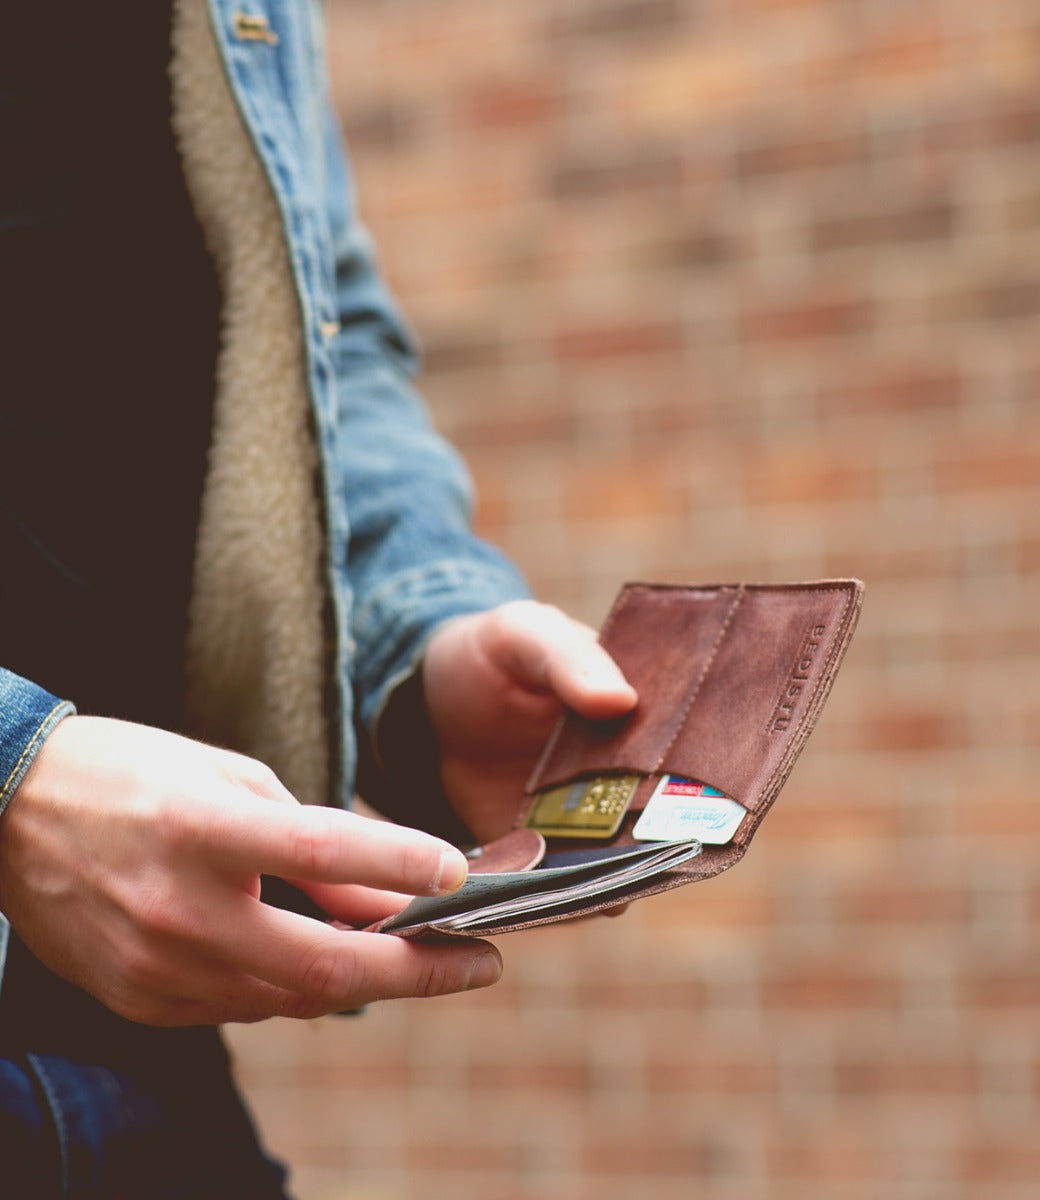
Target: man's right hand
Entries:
(130, 864)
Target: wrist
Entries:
(30, 715)
(400, 773)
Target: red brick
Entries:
(622, 19)
(500, 105)
(581, 176)
(801, 150)
(464, 351)
(803, 823)
(822, 1154)
(718, 904)
(986, 121)
(828, 987)
(617, 340)
(880, 387)
(879, 226)
(615, 488)
(707, 1073)
(892, 904)
(990, 301)
(696, 1155)
(984, 464)
(912, 729)
(463, 1154)
(1001, 814)
(799, 474)
(512, 424)
(913, 45)
(803, 319)
(1015, 987)
(994, 1159)
(532, 1074)
(907, 1075)
(387, 127)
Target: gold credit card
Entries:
(590, 808)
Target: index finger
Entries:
(329, 845)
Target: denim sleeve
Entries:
(27, 716)
(412, 561)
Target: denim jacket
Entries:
(398, 556)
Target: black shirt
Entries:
(108, 340)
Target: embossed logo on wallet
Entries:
(784, 711)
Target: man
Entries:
(223, 514)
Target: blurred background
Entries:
(715, 290)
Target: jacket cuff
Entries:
(28, 713)
(394, 626)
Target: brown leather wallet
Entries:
(731, 680)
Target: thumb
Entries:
(551, 652)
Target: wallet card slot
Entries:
(763, 694)
(677, 809)
(665, 641)
(730, 681)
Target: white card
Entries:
(683, 808)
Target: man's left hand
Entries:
(495, 683)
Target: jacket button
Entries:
(251, 27)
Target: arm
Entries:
(412, 560)
(459, 678)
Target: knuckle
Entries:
(539, 614)
(417, 866)
(518, 614)
(263, 778)
(328, 973)
(174, 826)
(312, 850)
(143, 1010)
(127, 1005)
(254, 773)
(301, 1008)
(159, 914)
(138, 973)
(439, 975)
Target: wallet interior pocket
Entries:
(730, 679)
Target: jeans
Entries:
(96, 1108)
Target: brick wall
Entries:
(719, 289)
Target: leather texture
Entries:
(731, 680)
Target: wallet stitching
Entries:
(622, 599)
(796, 739)
(701, 678)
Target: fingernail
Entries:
(451, 872)
(606, 678)
(485, 971)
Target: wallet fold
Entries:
(731, 679)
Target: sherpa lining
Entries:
(255, 649)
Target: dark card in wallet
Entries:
(731, 679)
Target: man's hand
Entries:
(130, 863)
(495, 683)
